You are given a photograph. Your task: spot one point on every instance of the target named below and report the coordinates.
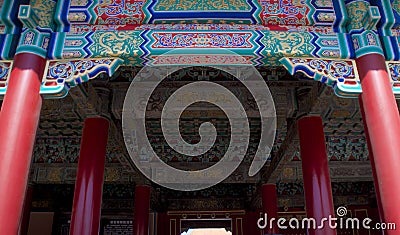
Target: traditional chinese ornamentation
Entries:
(356, 11)
(292, 12)
(74, 72)
(213, 40)
(202, 5)
(325, 71)
(265, 12)
(199, 59)
(139, 47)
(394, 72)
(60, 76)
(347, 148)
(5, 71)
(44, 9)
(116, 44)
(34, 41)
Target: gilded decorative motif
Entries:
(54, 175)
(44, 9)
(324, 3)
(77, 17)
(111, 174)
(329, 17)
(281, 44)
(117, 44)
(75, 3)
(356, 11)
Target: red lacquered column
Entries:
(26, 213)
(270, 206)
(371, 159)
(317, 184)
(86, 208)
(19, 118)
(383, 124)
(141, 210)
(162, 223)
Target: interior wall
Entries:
(40, 223)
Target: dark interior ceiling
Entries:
(58, 139)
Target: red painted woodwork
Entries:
(86, 209)
(162, 226)
(19, 118)
(383, 124)
(270, 206)
(141, 210)
(26, 213)
(371, 159)
(317, 184)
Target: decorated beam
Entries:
(128, 12)
(144, 44)
(62, 75)
(83, 38)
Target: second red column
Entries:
(317, 184)
(141, 210)
(270, 206)
(89, 181)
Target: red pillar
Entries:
(162, 219)
(371, 159)
(141, 210)
(383, 123)
(270, 206)
(86, 208)
(317, 184)
(26, 214)
(19, 118)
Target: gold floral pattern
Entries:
(44, 9)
